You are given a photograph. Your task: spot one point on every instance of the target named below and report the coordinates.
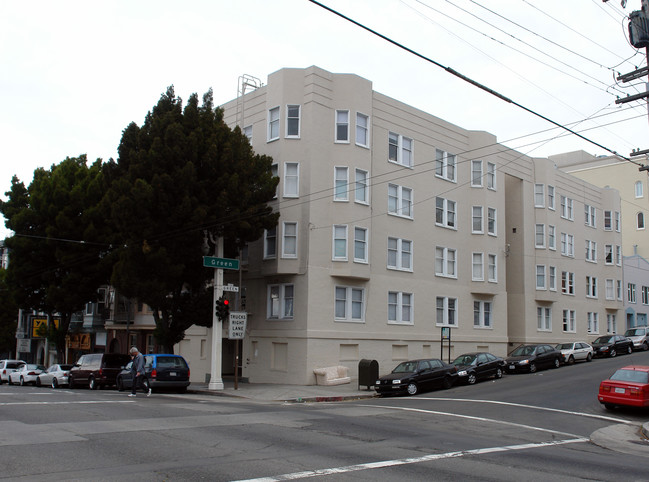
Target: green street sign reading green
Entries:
(222, 263)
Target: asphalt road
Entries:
(522, 427)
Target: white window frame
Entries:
(591, 251)
(539, 195)
(341, 124)
(618, 255)
(552, 237)
(631, 293)
(339, 239)
(618, 289)
(270, 241)
(403, 150)
(591, 287)
(608, 220)
(476, 173)
(403, 251)
(552, 278)
(362, 130)
(445, 262)
(289, 119)
(639, 189)
(482, 314)
(608, 254)
(361, 243)
(273, 124)
(551, 197)
(492, 221)
(400, 308)
(280, 301)
(341, 183)
(274, 169)
(402, 198)
(361, 186)
(446, 311)
(477, 266)
(618, 221)
(492, 268)
(543, 318)
(611, 323)
(569, 321)
(491, 176)
(568, 283)
(541, 277)
(247, 131)
(353, 300)
(644, 293)
(477, 220)
(590, 216)
(289, 239)
(567, 208)
(445, 165)
(567, 245)
(592, 320)
(610, 288)
(447, 212)
(640, 224)
(539, 236)
(291, 180)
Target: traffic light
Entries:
(222, 308)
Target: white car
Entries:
(639, 336)
(575, 351)
(55, 376)
(26, 374)
(8, 366)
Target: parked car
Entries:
(26, 374)
(575, 351)
(529, 358)
(56, 376)
(8, 366)
(627, 386)
(97, 370)
(611, 345)
(472, 367)
(417, 375)
(639, 336)
(162, 371)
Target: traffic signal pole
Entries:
(216, 380)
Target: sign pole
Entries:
(216, 380)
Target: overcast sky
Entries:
(74, 74)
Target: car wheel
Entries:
(499, 373)
(412, 388)
(120, 384)
(571, 360)
(38, 382)
(472, 378)
(557, 363)
(589, 357)
(55, 383)
(609, 406)
(9, 381)
(22, 382)
(629, 350)
(645, 347)
(613, 353)
(70, 382)
(532, 367)
(92, 384)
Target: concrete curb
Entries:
(341, 398)
(645, 430)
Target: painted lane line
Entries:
(511, 404)
(66, 403)
(413, 460)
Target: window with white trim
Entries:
(477, 267)
(341, 183)
(610, 289)
(270, 243)
(491, 221)
(593, 322)
(552, 237)
(289, 240)
(445, 212)
(611, 323)
(476, 220)
(339, 247)
(551, 197)
(618, 289)
(639, 189)
(640, 220)
(476, 173)
(247, 131)
(360, 245)
(566, 208)
(491, 176)
(342, 126)
(445, 165)
(543, 318)
(89, 308)
(539, 236)
(280, 301)
(608, 220)
(645, 295)
(291, 179)
(400, 308)
(273, 124)
(567, 245)
(482, 314)
(362, 130)
(590, 216)
(591, 287)
(400, 149)
(446, 311)
(569, 324)
(567, 283)
(630, 292)
(399, 254)
(492, 268)
(539, 195)
(608, 254)
(362, 191)
(540, 276)
(618, 255)
(552, 278)
(349, 304)
(617, 221)
(445, 262)
(591, 251)
(400, 201)
(293, 121)
(274, 170)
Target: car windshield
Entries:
(464, 360)
(14, 364)
(405, 367)
(631, 376)
(603, 339)
(635, 332)
(34, 367)
(523, 351)
(564, 346)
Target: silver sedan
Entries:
(55, 376)
(26, 374)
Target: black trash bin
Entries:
(368, 373)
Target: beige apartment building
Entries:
(395, 225)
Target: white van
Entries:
(640, 337)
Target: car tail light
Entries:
(32, 373)
(188, 373)
(154, 373)
(101, 370)
(605, 388)
(634, 391)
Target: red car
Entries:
(627, 386)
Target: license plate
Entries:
(512, 367)
(173, 374)
(619, 390)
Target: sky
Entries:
(74, 74)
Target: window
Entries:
(630, 292)
(399, 201)
(590, 217)
(273, 124)
(340, 242)
(445, 262)
(543, 318)
(89, 308)
(645, 295)
(491, 176)
(293, 121)
(539, 238)
(280, 301)
(569, 317)
(539, 195)
(291, 179)
(610, 289)
(446, 311)
(618, 289)
(567, 245)
(491, 221)
(349, 303)
(618, 255)
(566, 208)
(362, 130)
(399, 254)
(360, 245)
(400, 308)
(640, 220)
(551, 197)
(638, 189)
(444, 212)
(552, 278)
(476, 220)
(362, 192)
(540, 277)
(591, 251)
(608, 254)
(270, 243)
(477, 267)
(482, 314)
(611, 323)
(617, 221)
(289, 244)
(492, 268)
(342, 126)
(445, 165)
(274, 170)
(476, 173)
(567, 283)
(247, 131)
(591, 287)
(593, 322)
(608, 221)
(552, 237)
(400, 149)
(341, 183)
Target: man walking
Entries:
(137, 371)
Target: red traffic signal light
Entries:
(222, 308)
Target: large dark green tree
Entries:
(8, 316)
(58, 250)
(182, 174)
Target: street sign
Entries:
(231, 287)
(222, 263)
(237, 329)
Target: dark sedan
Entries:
(612, 345)
(529, 358)
(472, 367)
(414, 376)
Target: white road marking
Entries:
(66, 403)
(413, 460)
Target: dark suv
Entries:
(97, 370)
(161, 370)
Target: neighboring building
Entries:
(395, 224)
(636, 288)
